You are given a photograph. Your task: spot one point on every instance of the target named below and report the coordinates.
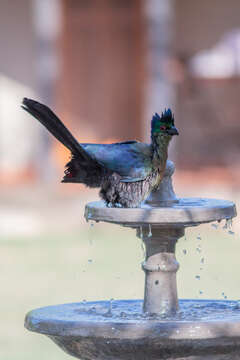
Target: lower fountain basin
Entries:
(100, 330)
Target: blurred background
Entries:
(105, 66)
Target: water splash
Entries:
(149, 230)
(126, 310)
(224, 296)
(109, 312)
(123, 314)
(110, 306)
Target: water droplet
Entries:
(197, 277)
(228, 224)
(92, 224)
(149, 230)
(200, 292)
(224, 296)
(84, 301)
(90, 261)
(202, 260)
(141, 232)
(184, 251)
(199, 237)
(215, 226)
(199, 249)
(143, 249)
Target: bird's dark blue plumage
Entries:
(126, 172)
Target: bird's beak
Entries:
(172, 131)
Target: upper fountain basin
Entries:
(185, 212)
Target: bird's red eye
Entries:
(163, 127)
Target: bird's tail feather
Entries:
(47, 118)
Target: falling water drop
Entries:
(224, 295)
(228, 224)
(184, 251)
(199, 237)
(149, 230)
(143, 250)
(199, 249)
(202, 260)
(200, 292)
(197, 277)
(141, 232)
(90, 261)
(91, 234)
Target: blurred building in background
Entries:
(106, 65)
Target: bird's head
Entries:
(164, 124)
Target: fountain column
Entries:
(160, 266)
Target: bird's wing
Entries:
(131, 159)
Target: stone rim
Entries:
(206, 210)
(48, 321)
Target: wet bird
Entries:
(126, 172)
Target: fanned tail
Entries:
(82, 168)
(48, 119)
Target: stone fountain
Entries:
(160, 326)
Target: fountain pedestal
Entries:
(87, 332)
(160, 266)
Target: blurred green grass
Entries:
(100, 262)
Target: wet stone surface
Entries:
(129, 311)
(109, 330)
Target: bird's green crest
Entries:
(160, 124)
